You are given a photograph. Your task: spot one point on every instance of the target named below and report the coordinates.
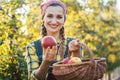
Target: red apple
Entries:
(74, 60)
(65, 60)
(48, 41)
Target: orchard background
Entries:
(92, 21)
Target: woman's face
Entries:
(54, 18)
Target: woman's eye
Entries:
(49, 16)
(59, 17)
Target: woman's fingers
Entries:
(82, 44)
(46, 54)
(54, 49)
(77, 42)
(50, 53)
(74, 45)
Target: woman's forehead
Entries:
(54, 9)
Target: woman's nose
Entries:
(54, 21)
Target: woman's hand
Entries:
(74, 45)
(50, 53)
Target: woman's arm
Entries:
(40, 72)
(35, 71)
(49, 57)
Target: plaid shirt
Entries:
(32, 58)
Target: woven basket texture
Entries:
(90, 69)
(87, 70)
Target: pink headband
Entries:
(50, 2)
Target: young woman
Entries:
(53, 17)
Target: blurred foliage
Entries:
(12, 42)
(94, 23)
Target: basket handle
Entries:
(87, 48)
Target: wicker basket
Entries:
(89, 69)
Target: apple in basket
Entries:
(65, 60)
(74, 60)
(48, 41)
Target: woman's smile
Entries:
(53, 26)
